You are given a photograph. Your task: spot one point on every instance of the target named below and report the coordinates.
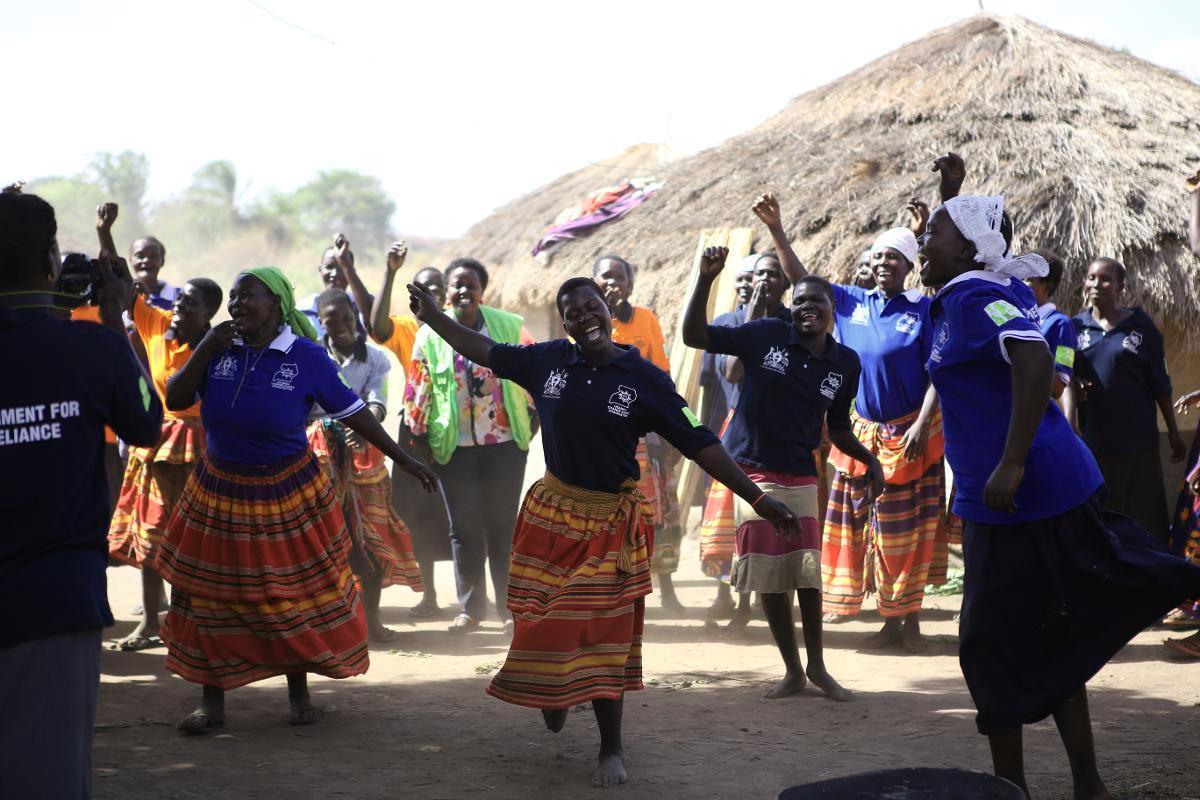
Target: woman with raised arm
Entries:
(903, 532)
(1054, 587)
(256, 551)
(583, 540)
(795, 377)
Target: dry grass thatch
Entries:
(1090, 145)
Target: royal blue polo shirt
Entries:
(721, 394)
(1126, 370)
(257, 402)
(973, 317)
(592, 417)
(1060, 337)
(786, 394)
(892, 337)
(64, 381)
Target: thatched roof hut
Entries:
(1089, 145)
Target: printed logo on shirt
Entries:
(226, 368)
(861, 315)
(1001, 312)
(908, 322)
(776, 360)
(283, 377)
(1085, 338)
(555, 383)
(620, 401)
(831, 384)
(1132, 342)
(943, 338)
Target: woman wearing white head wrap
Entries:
(1053, 587)
(895, 417)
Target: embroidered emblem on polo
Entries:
(776, 360)
(861, 315)
(1132, 342)
(831, 384)
(620, 401)
(943, 338)
(555, 383)
(283, 377)
(1001, 311)
(1085, 338)
(225, 369)
(908, 322)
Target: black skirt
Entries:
(1047, 603)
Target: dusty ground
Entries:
(418, 725)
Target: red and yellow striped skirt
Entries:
(579, 576)
(257, 560)
(658, 485)
(154, 480)
(363, 487)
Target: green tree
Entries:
(342, 201)
(123, 178)
(74, 201)
(216, 185)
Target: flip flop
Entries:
(462, 623)
(132, 644)
(1189, 647)
(199, 723)
(307, 716)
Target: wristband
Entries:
(754, 503)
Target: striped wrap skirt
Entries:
(579, 576)
(658, 486)
(763, 560)
(257, 561)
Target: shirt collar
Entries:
(833, 351)
(359, 354)
(975, 274)
(1046, 309)
(625, 360)
(282, 342)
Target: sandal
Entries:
(307, 716)
(132, 644)
(1189, 647)
(463, 623)
(199, 723)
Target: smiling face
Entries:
(147, 257)
(1103, 284)
(338, 321)
(743, 286)
(945, 252)
(433, 280)
(864, 275)
(331, 276)
(889, 268)
(812, 308)
(466, 292)
(612, 275)
(189, 315)
(586, 319)
(254, 309)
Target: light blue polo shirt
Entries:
(892, 338)
(973, 316)
(256, 403)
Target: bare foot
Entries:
(792, 683)
(741, 618)
(610, 771)
(378, 633)
(911, 639)
(722, 608)
(890, 635)
(825, 682)
(674, 608)
(554, 718)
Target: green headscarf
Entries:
(282, 288)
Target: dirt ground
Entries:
(419, 725)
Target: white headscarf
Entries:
(978, 218)
(747, 263)
(901, 240)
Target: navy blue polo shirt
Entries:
(973, 317)
(721, 394)
(1127, 370)
(592, 417)
(892, 338)
(1060, 337)
(64, 381)
(256, 403)
(786, 394)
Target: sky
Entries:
(458, 107)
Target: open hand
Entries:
(13, 188)
(757, 306)
(354, 441)
(712, 261)
(779, 515)
(766, 208)
(396, 255)
(1178, 448)
(421, 472)
(1001, 490)
(106, 215)
(1192, 184)
(422, 303)
(1183, 406)
(876, 482)
(912, 443)
(918, 213)
(218, 338)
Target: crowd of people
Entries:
(851, 434)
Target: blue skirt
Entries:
(1047, 603)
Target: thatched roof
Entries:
(1089, 145)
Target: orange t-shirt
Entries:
(404, 334)
(166, 356)
(92, 314)
(643, 332)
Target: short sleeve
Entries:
(404, 336)
(670, 417)
(329, 389)
(1062, 341)
(150, 322)
(846, 298)
(837, 417)
(989, 318)
(134, 410)
(658, 347)
(727, 341)
(375, 391)
(1156, 363)
(517, 362)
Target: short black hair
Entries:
(775, 256)
(210, 293)
(1054, 276)
(331, 251)
(630, 270)
(1112, 262)
(154, 240)
(27, 233)
(825, 285)
(331, 297)
(570, 285)
(430, 268)
(468, 263)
